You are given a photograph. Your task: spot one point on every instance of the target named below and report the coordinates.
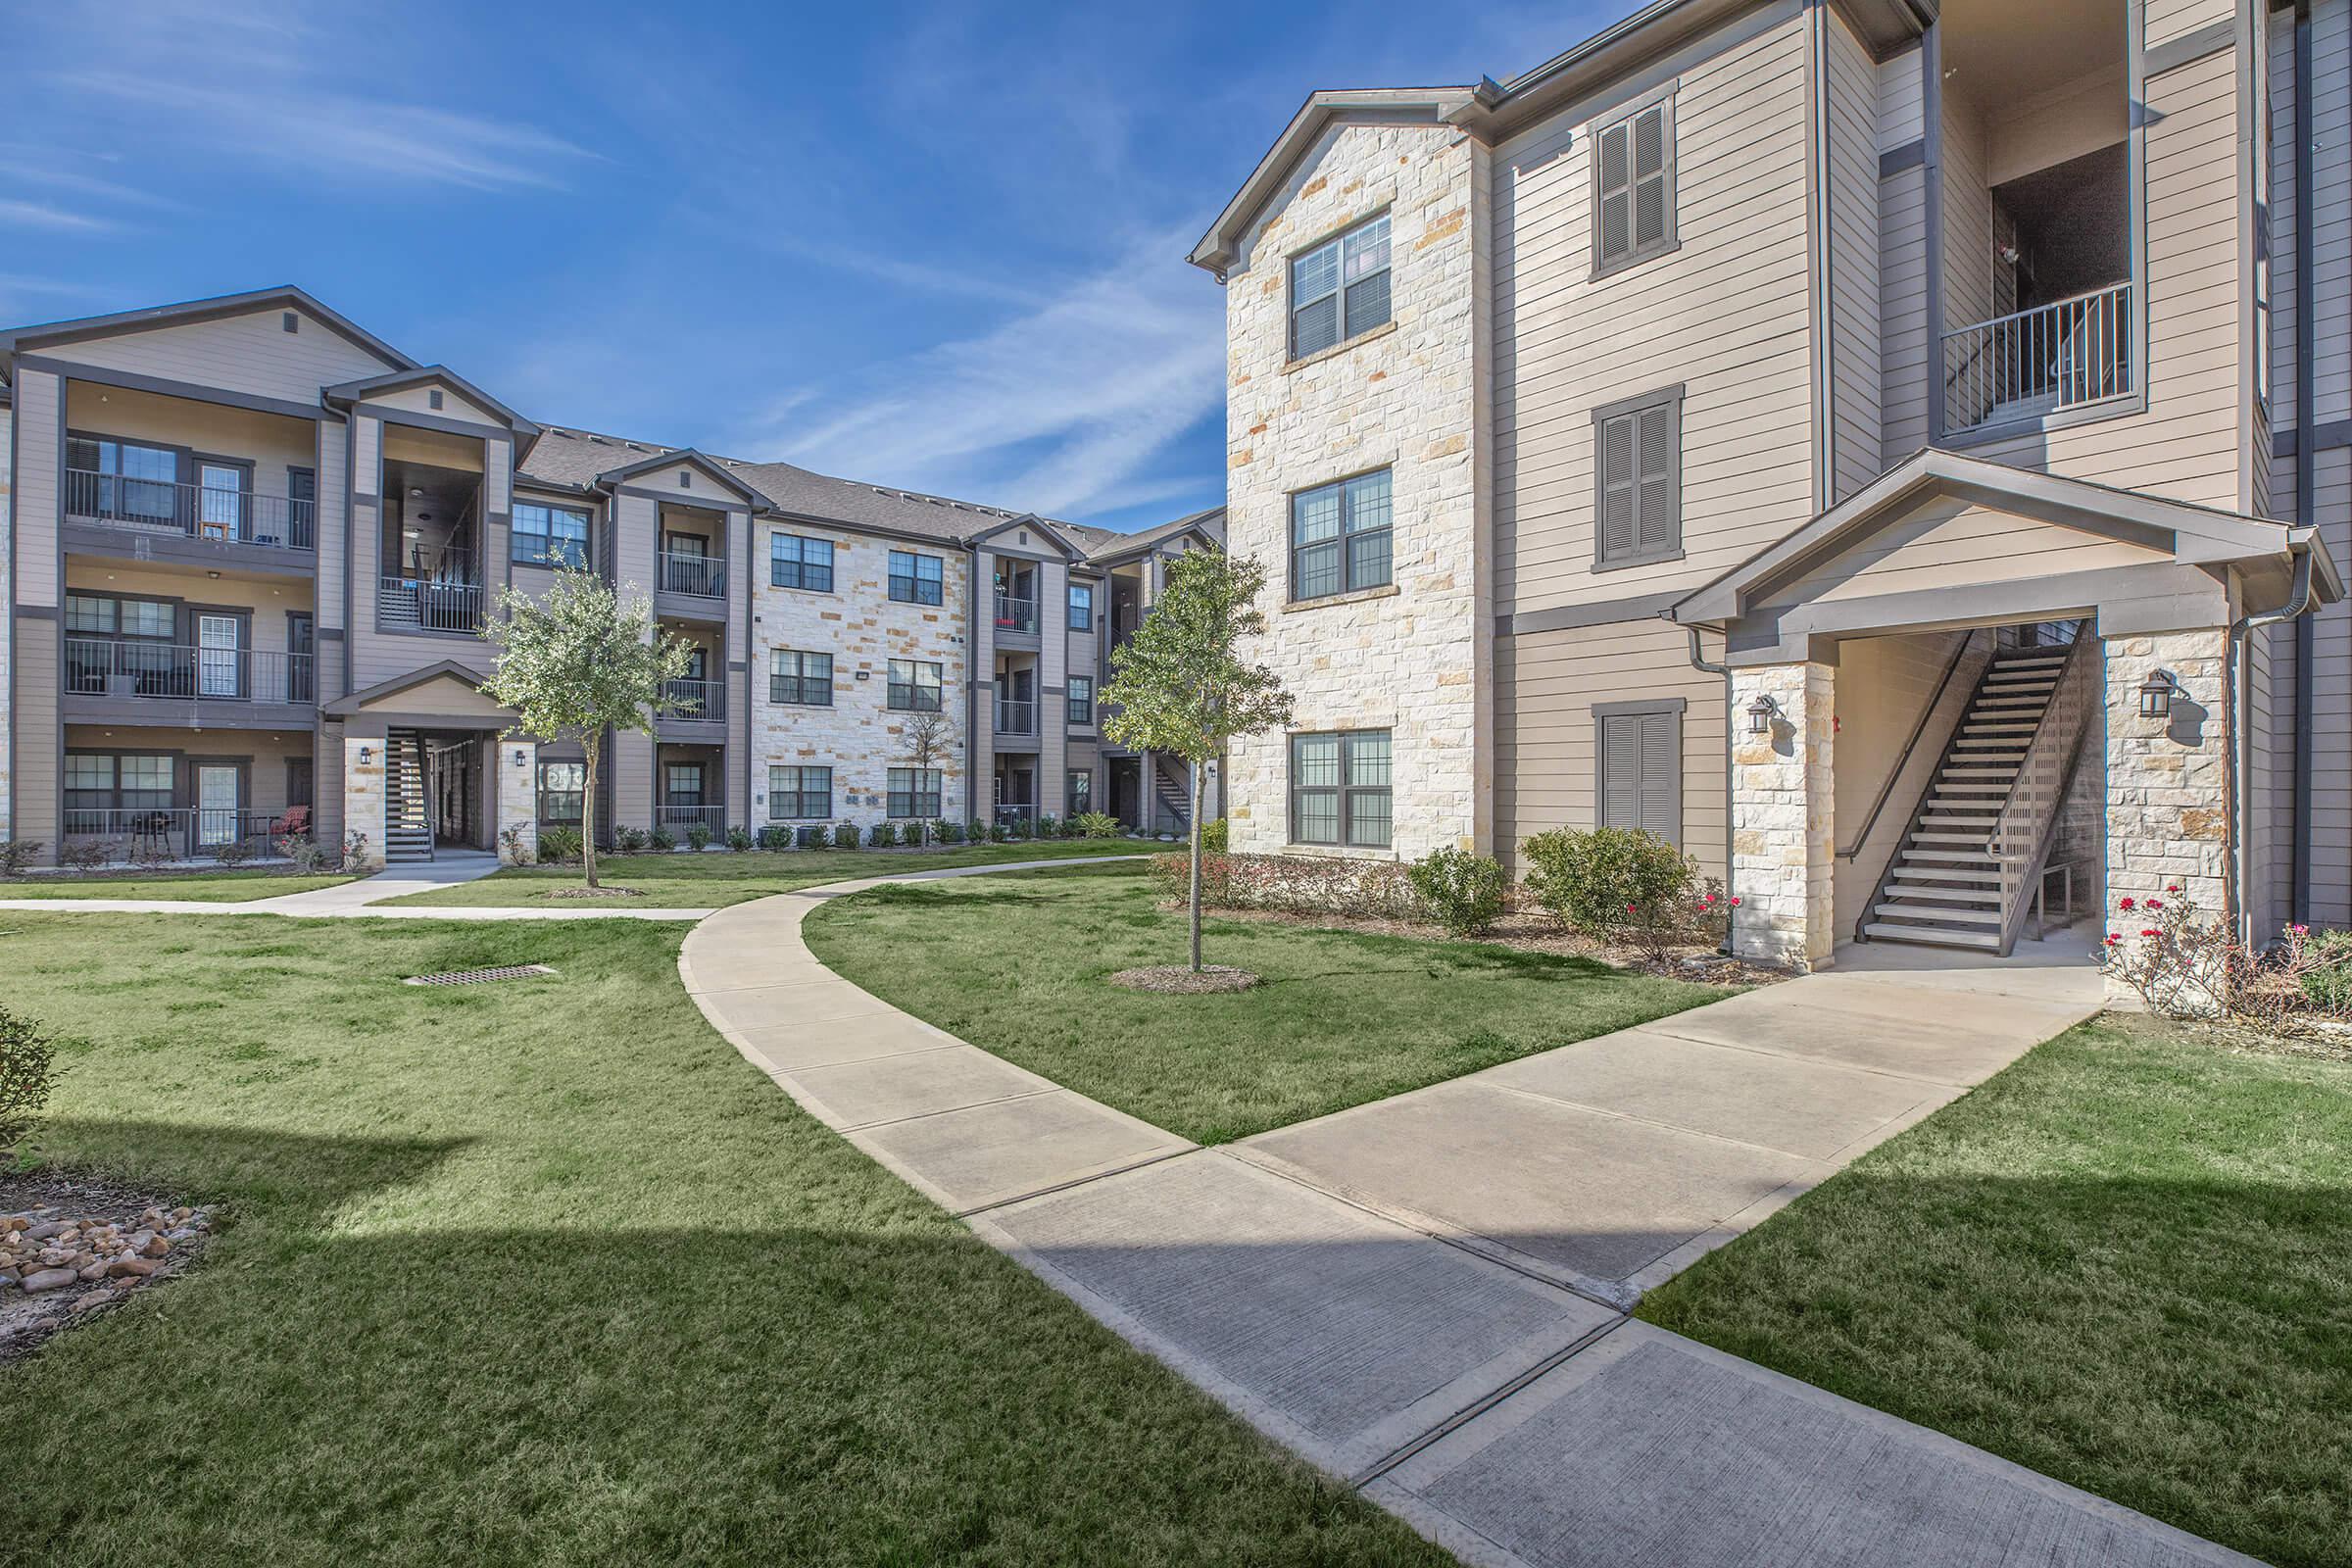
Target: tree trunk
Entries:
(588, 813)
(1195, 900)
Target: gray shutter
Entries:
(1639, 768)
(1620, 771)
(1658, 510)
(1614, 195)
(1661, 768)
(1614, 458)
(1651, 178)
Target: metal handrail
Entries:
(1015, 612)
(1015, 718)
(2026, 826)
(705, 700)
(434, 605)
(713, 817)
(102, 666)
(206, 512)
(701, 577)
(2071, 352)
(176, 832)
(1895, 776)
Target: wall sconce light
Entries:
(2156, 695)
(521, 758)
(366, 754)
(1760, 715)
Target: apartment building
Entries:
(1898, 451)
(250, 545)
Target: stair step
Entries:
(2021, 660)
(1931, 912)
(1930, 935)
(1958, 858)
(1911, 890)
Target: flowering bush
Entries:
(1463, 891)
(1692, 916)
(1299, 884)
(2187, 964)
(1609, 882)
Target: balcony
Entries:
(161, 506)
(121, 675)
(2069, 354)
(1016, 613)
(142, 835)
(1016, 717)
(694, 702)
(680, 818)
(696, 576)
(438, 604)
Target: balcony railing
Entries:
(678, 818)
(98, 667)
(164, 505)
(1015, 612)
(177, 833)
(704, 699)
(1015, 716)
(410, 604)
(703, 576)
(2043, 361)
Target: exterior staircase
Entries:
(1968, 868)
(1172, 786)
(408, 813)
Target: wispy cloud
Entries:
(45, 166)
(41, 214)
(1058, 410)
(922, 276)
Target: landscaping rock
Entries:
(47, 1279)
(138, 1267)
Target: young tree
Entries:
(1179, 686)
(576, 662)
(927, 738)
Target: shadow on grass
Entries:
(298, 1179)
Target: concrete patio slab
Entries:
(1581, 1196)
(1336, 1332)
(1647, 1447)
(966, 1160)
(1812, 1109)
(1879, 1026)
(893, 1088)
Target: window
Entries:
(100, 781)
(682, 784)
(1633, 188)
(121, 479)
(797, 562)
(1082, 606)
(1339, 290)
(915, 792)
(89, 612)
(548, 536)
(563, 788)
(914, 685)
(1082, 699)
(798, 793)
(1340, 537)
(1639, 771)
(914, 579)
(149, 618)
(1340, 788)
(1079, 798)
(797, 677)
(1638, 479)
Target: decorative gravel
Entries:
(596, 892)
(1177, 979)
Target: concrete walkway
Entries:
(1425, 1296)
(366, 896)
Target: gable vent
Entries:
(290, 322)
(432, 398)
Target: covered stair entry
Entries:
(426, 771)
(408, 816)
(1968, 869)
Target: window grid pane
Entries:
(798, 793)
(797, 562)
(1082, 699)
(1082, 608)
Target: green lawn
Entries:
(542, 1272)
(205, 886)
(1016, 964)
(2124, 1262)
(709, 880)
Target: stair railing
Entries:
(1883, 888)
(2027, 826)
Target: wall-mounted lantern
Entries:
(2156, 695)
(366, 754)
(521, 758)
(1760, 715)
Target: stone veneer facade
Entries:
(864, 629)
(8, 596)
(2168, 818)
(363, 801)
(1415, 658)
(517, 763)
(1784, 816)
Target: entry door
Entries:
(217, 656)
(302, 640)
(220, 500)
(215, 803)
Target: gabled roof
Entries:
(352, 702)
(1206, 526)
(283, 296)
(2193, 535)
(1053, 531)
(687, 456)
(348, 392)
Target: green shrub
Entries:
(1096, 825)
(882, 835)
(1608, 883)
(2328, 985)
(1462, 891)
(27, 1074)
(17, 855)
(845, 835)
(1215, 837)
(949, 832)
(84, 855)
(663, 839)
(232, 853)
(630, 840)
(698, 836)
(1048, 827)
(558, 844)
(309, 856)
(739, 838)
(775, 836)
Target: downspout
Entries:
(1707, 666)
(2238, 866)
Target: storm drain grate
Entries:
(478, 977)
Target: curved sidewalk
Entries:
(1517, 1421)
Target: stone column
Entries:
(1784, 816)
(2168, 807)
(364, 798)
(517, 768)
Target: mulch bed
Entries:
(1537, 932)
(1176, 979)
(595, 892)
(108, 1241)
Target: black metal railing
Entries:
(703, 576)
(175, 833)
(679, 818)
(705, 700)
(1015, 716)
(1015, 612)
(202, 512)
(100, 667)
(436, 603)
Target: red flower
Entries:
(1735, 904)
(2155, 904)
(1629, 910)
(2125, 904)
(2113, 939)
(2174, 888)
(2151, 933)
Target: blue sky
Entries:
(934, 245)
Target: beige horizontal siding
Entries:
(1855, 359)
(1950, 544)
(251, 353)
(2163, 21)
